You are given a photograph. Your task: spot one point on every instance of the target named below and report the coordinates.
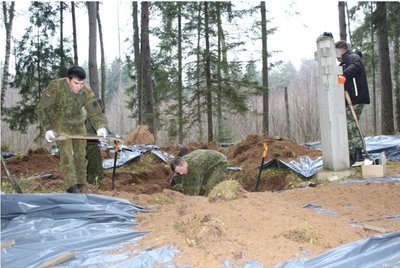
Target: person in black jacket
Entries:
(357, 86)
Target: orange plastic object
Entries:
(341, 79)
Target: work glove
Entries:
(50, 136)
(341, 79)
(102, 132)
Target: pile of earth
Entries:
(149, 174)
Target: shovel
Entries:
(265, 150)
(348, 100)
(115, 164)
(63, 137)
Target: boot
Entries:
(352, 160)
(358, 155)
(74, 189)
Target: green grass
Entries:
(27, 185)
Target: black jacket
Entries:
(356, 80)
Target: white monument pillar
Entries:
(332, 112)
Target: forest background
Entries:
(186, 86)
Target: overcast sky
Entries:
(299, 24)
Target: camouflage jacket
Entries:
(206, 168)
(60, 109)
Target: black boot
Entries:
(74, 189)
(358, 155)
(352, 160)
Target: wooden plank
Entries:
(57, 259)
(375, 228)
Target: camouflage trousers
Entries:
(93, 156)
(73, 161)
(355, 139)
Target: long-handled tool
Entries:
(265, 150)
(115, 164)
(63, 137)
(115, 138)
(348, 100)
(13, 182)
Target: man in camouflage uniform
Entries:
(355, 83)
(198, 172)
(62, 109)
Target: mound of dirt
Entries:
(149, 174)
(140, 135)
(33, 163)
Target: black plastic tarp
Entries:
(100, 231)
(128, 153)
(307, 167)
(371, 252)
(95, 227)
(390, 144)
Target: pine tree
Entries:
(37, 63)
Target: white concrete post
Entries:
(332, 111)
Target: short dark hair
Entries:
(341, 44)
(176, 161)
(183, 150)
(76, 72)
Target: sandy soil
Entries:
(269, 226)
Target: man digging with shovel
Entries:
(356, 86)
(63, 108)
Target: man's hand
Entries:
(50, 136)
(102, 132)
(341, 79)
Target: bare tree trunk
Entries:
(180, 86)
(396, 68)
(93, 73)
(348, 24)
(76, 62)
(384, 66)
(219, 74)
(103, 61)
(208, 76)
(342, 21)
(396, 52)
(63, 68)
(138, 61)
(264, 68)
(146, 71)
(8, 15)
(287, 113)
(198, 119)
(373, 66)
